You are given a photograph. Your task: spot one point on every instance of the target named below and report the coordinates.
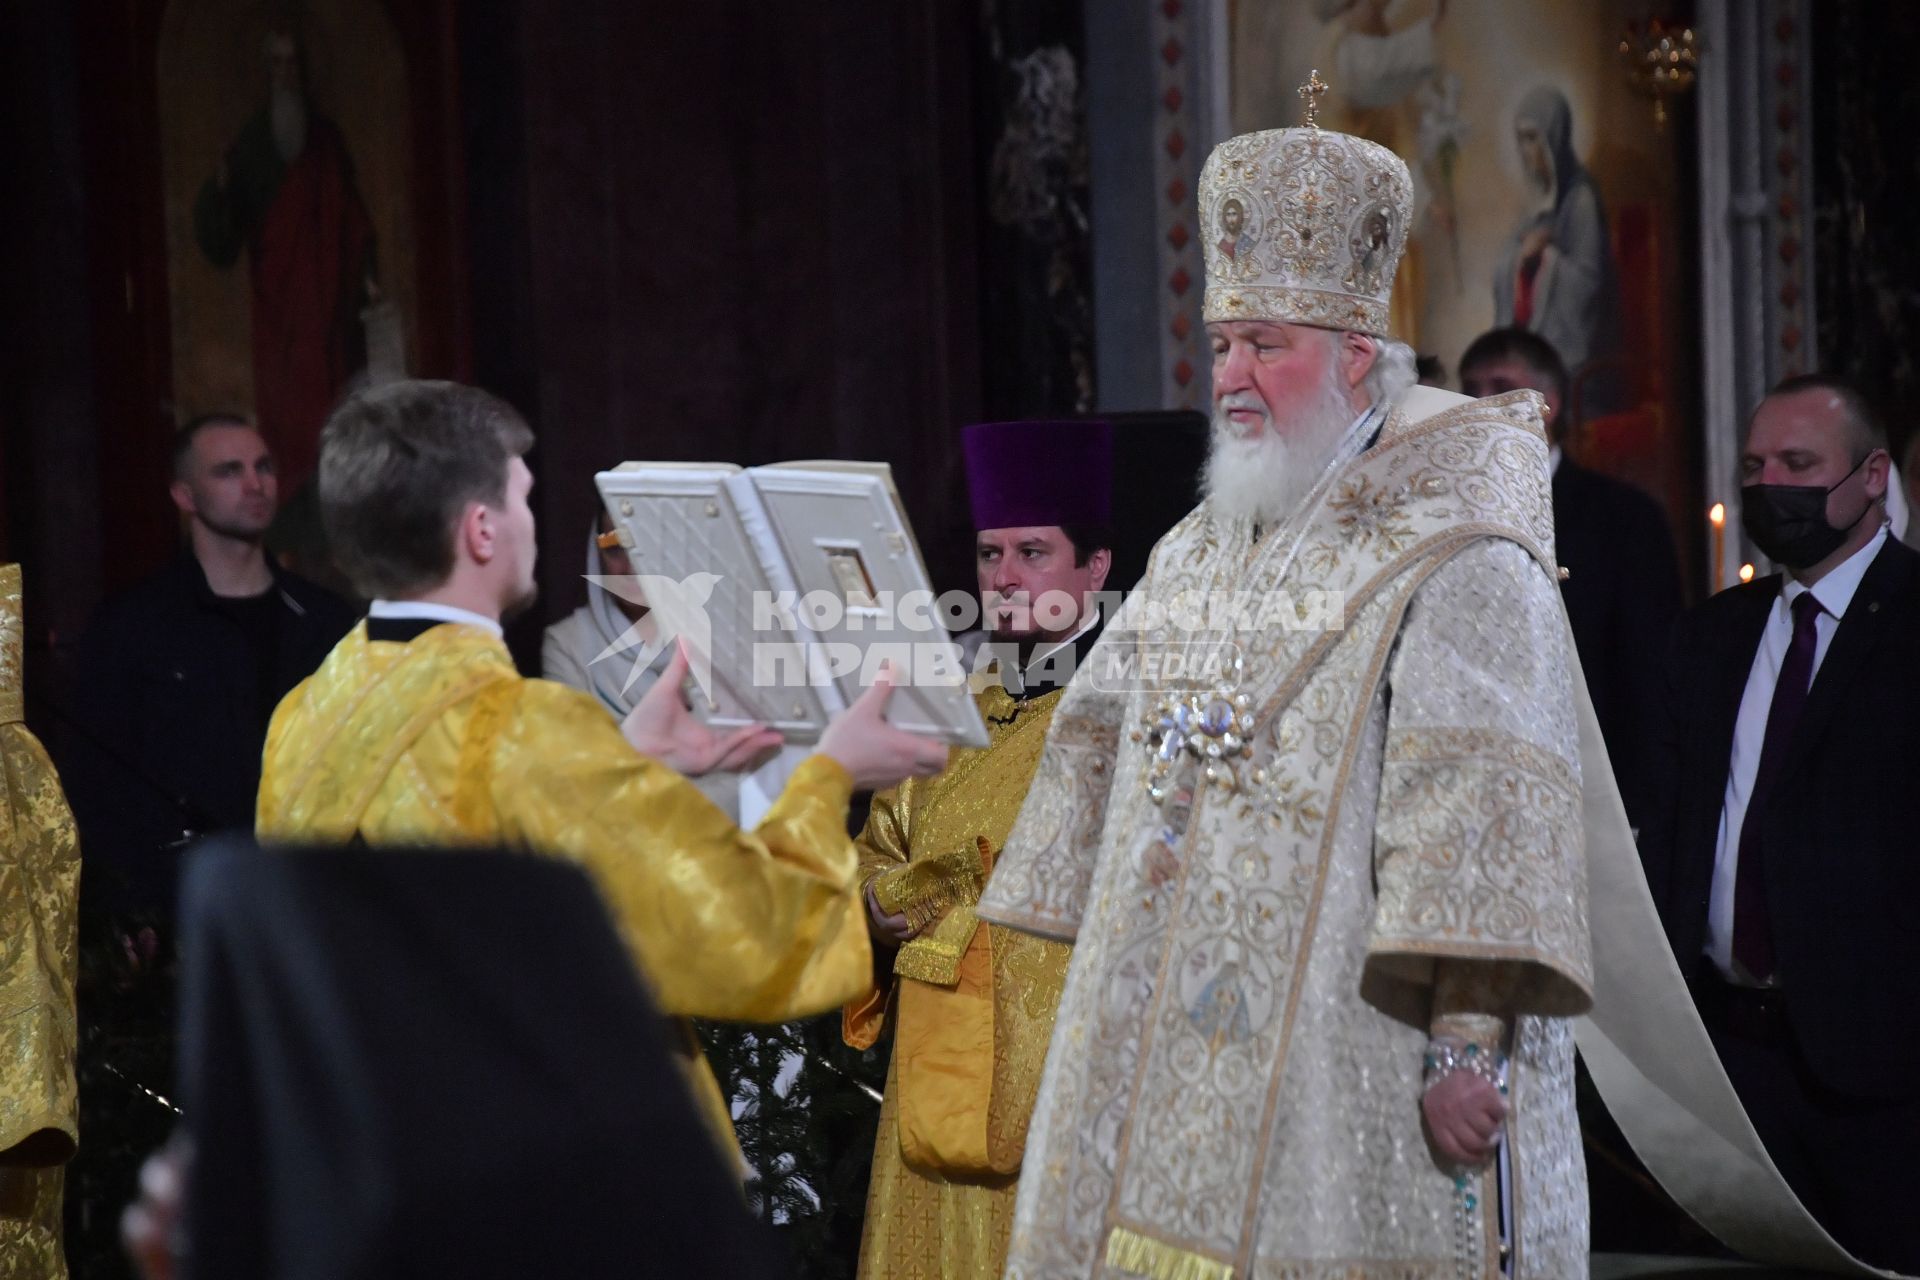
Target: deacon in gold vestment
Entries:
(417, 730)
(1325, 878)
(39, 896)
(972, 1004)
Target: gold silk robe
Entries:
(39, 900)
(973, 1006)
(440, 741)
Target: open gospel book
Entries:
(791, 585)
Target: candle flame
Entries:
(1746, 573)
(1717, 514)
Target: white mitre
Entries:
(1304, 226)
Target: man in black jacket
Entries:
(177, 676)
(1779, 847)
(1623, 583)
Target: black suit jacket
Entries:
(1622, 594)
(1838, 841)
(169, 718)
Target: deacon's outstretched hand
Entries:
(873, 751)
(661, 725)
(1464, 1114)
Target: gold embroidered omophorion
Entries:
(972, 1004)
(440, 742)
(39, 899)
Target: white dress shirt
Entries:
(1834, 592)
(402, 609)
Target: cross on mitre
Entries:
(1310, 95)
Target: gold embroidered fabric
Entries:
(1236, 1066)
(12, 646)
(1132, 1254)
(441, 742)
(924, 890)
(936, 894)
(967, 1062)
(39, 901)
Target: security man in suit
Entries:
(1623, 583)
(1779, 851)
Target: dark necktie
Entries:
(1752, 931)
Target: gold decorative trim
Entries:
(935, 959)
(12, 644)
(1141, 1255)
(1398, 430)
(926, 889)
(1294, 305)
(1449, 744)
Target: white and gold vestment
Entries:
(1388, 832)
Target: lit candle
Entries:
(1717, 517)
(1746, 573)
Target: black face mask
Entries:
(1788, 522)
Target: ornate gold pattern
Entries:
(1297, 306)
(1304, 226)
(1202, 1089)
(39, 902)
(934, 957)
(12, 644)
(1363, 512)
(926, 889)
(952, 1221)
(1480, 848)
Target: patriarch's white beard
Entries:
(1264, 475)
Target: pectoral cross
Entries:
(1310, 96)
